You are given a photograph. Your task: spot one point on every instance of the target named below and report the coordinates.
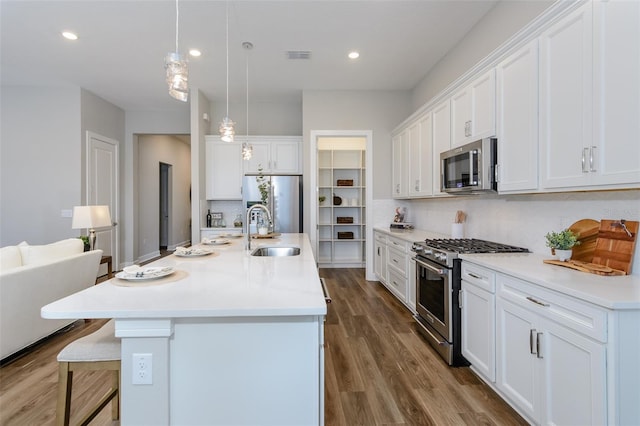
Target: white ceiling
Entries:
(120, 53)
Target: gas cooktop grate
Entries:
(472, 245)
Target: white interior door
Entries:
(102, 189)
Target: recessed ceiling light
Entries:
(69, 35)
(195, 52)
(354, 55)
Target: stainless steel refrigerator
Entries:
(284, 200)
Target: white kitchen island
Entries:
(236, 340)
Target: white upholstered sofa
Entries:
(33, 276)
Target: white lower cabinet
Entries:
(394, 268)
(478, 303)
(551, 355)
(380, 260)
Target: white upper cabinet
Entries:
(441, 133)
(421, 157)
(276, 155)
(223, 169)
(399, 158)
(473, 111)
(616, 134)
(517, 120)
(565, 100)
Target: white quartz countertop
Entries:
(229, 283)
(612, 292)
(410, 235)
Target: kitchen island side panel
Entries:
(247, 371)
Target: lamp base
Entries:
(92, 239)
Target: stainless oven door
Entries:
(433, 297)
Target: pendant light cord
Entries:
(247, 73)
(227, 38)
(177, 20)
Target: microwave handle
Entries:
(472, 163)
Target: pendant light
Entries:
(226, 125)
(177, 68)
(247, 149)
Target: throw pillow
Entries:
(10, 257)
(32, 255)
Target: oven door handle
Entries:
(429, 267)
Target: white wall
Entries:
(40, 163)
(498, 25)
(153, 150)
(281, 117)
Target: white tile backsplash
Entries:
(520, 220)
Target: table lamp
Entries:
(91, 217)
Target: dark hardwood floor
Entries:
(378, 370)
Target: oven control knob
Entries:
(441, 256)
(416, 248)
(428, 251)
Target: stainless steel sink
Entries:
(276, 251)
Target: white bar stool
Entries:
(99, 350)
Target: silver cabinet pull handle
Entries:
(460, 298)
(591, 152)
(325, 290)
(532, 341)
(471, 274)
(584, 160)
(538, 344)
(537, 302)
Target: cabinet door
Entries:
(285, 157)
(478, 329)
(574, 389)
(380, 261)
(461, 117)
(259, 158)
(566, 100)
(399, 164)
(516, 373)
(616, 151)
(420, 157)
(224, 171)
(517, 116)
(473, 110)
(483, 106)
(441, 117)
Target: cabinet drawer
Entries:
(571, 313)
(397, 261)
(397, 284)
(398, 244)
(380, 237)
(478, 276)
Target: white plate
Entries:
(193, 253)
(142, 274)
(236, 235)
(216, 242)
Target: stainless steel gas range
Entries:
(438, 286)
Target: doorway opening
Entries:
(164, 209)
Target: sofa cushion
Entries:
(33, 255)
(10, 257)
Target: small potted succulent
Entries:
(321, 199)
(561, 243)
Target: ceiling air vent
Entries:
(298, 54)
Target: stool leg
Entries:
(65, 380)
(115, 402)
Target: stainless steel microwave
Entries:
(470, 168)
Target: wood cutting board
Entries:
(614, 247)
(586, 267)
(587, 232)
(269, 235)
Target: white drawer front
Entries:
(574, 314)
(480, 277)
(398, 285)
(398, 244)
(380, 237)
(398, 261)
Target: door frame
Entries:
(313, 179)
(114, 210)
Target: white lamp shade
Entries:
(90, 217)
